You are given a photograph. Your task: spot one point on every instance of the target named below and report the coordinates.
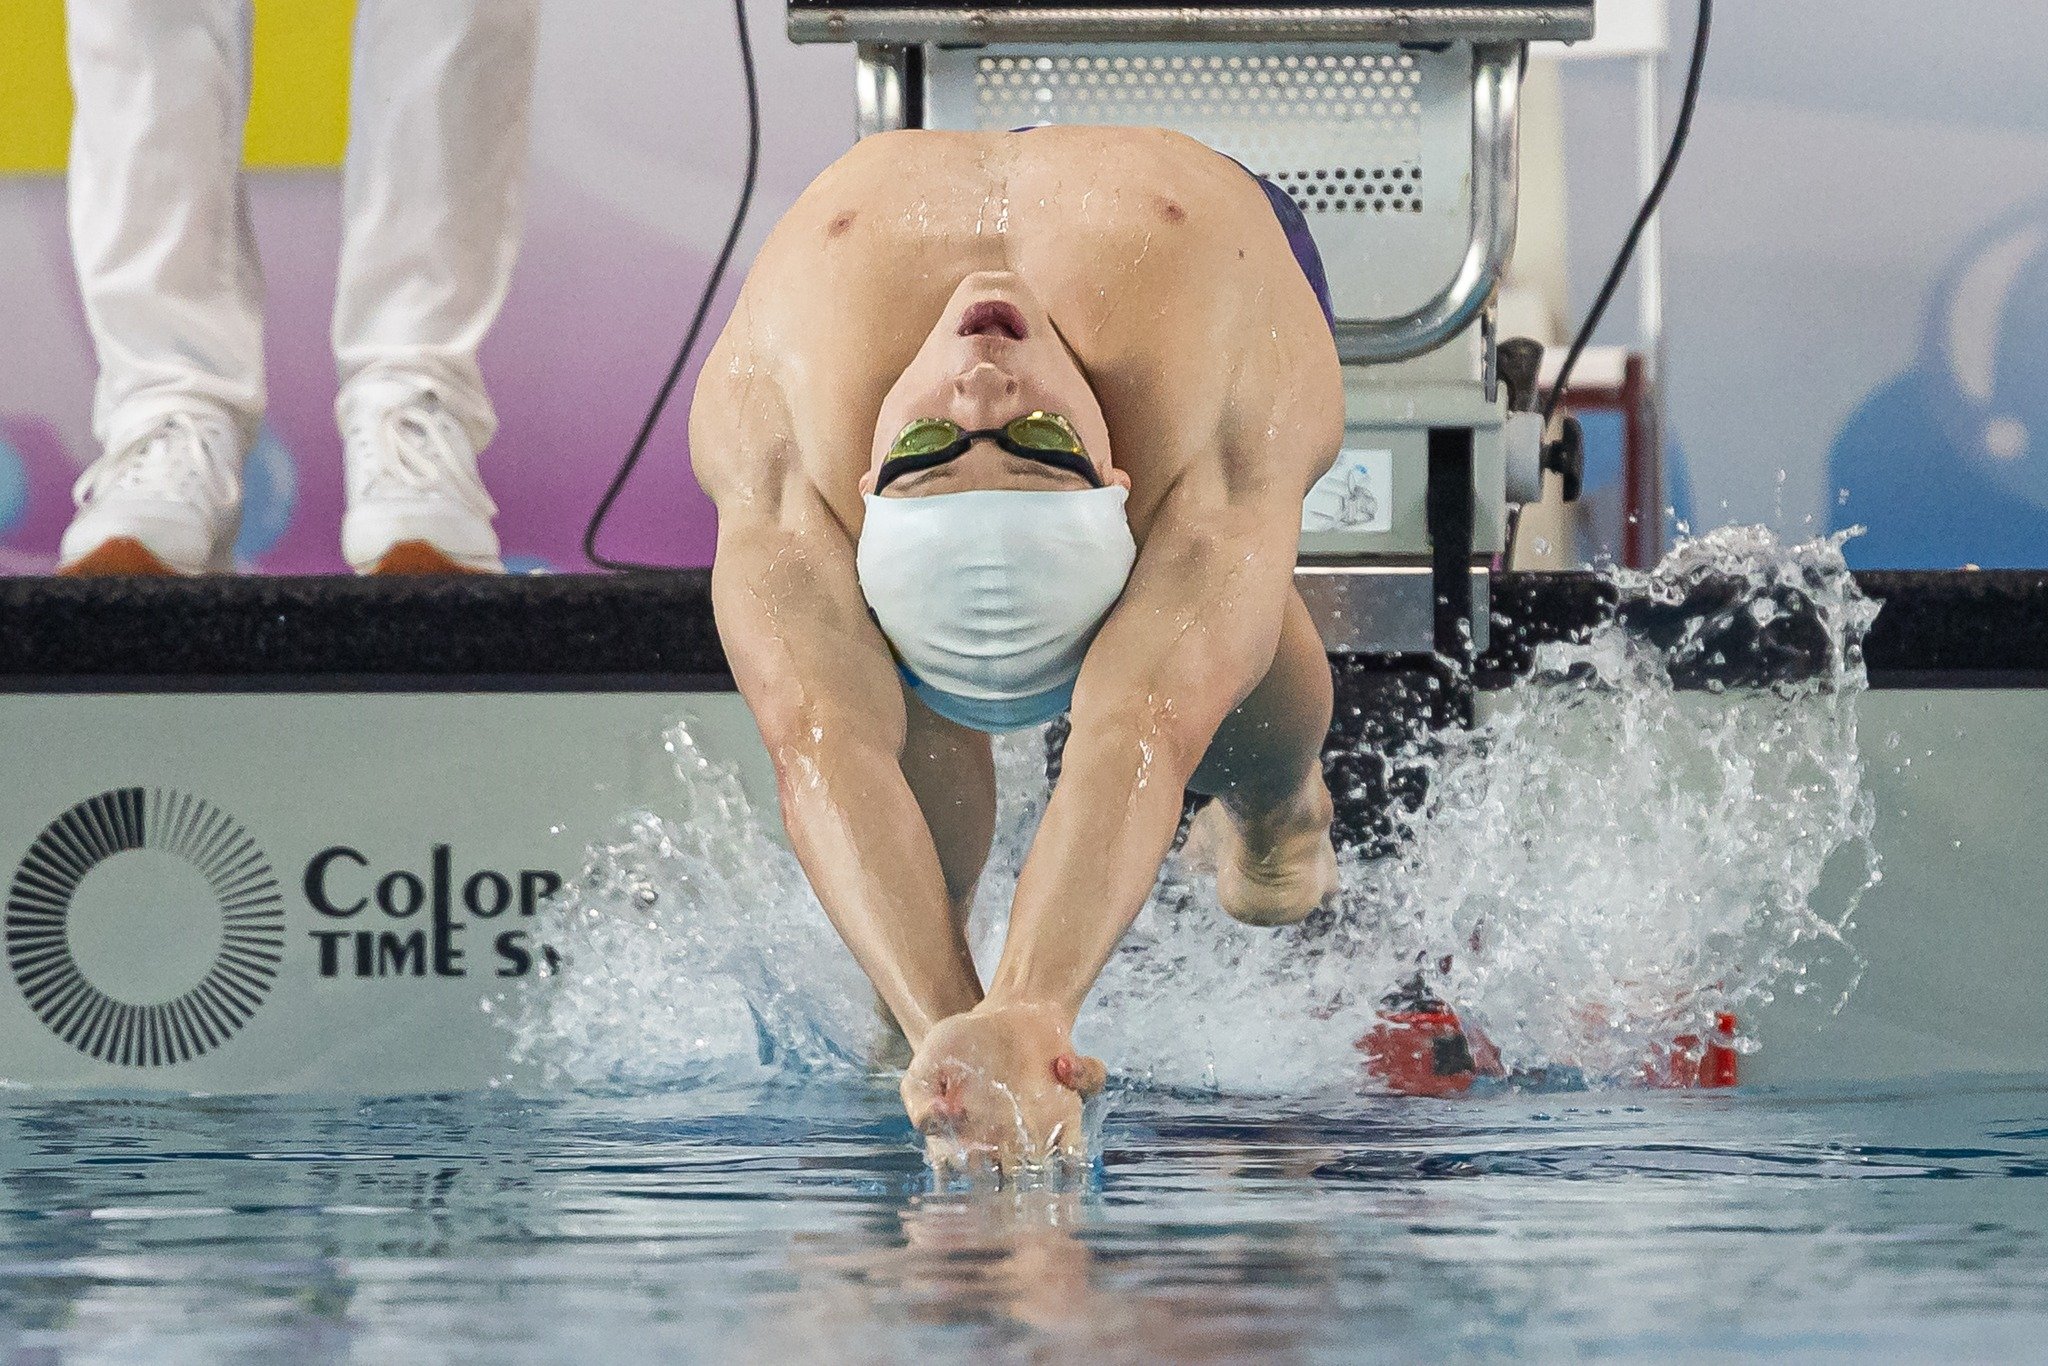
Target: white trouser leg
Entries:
(159, 216)
(438, 117)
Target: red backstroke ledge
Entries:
(1690, 1062)
(1430, 1052)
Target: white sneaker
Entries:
(415, 501)
(168, 502)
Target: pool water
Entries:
(798, 1222)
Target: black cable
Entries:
(704, 301)
(1680, 135)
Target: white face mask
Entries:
(992, 598)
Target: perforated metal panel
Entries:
(1360, 109)
(1373, 142)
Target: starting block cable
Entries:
(704, 300)
(1681, 134)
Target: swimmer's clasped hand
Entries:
(1001, 1087)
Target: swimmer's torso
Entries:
(1160, 261)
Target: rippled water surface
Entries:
(799, 1223)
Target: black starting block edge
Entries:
(654, 633)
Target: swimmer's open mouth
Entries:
(993, 318)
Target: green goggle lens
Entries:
(1044, 437)
(1036, 431)
(924, 436)
(1045, 432)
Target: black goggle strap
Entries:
(896, 467)
(1074, 462)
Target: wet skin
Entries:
(1137, 283)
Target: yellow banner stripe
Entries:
(298, 111)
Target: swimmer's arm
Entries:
(820, 681)
(1194, 633)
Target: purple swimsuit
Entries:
(1295, 225)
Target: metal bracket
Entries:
(1382, 609)
(1450, 516)
(885, 94)
(1496, 172)
(853, 21)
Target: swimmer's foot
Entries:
(1270, 872)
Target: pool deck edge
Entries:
(654, 633)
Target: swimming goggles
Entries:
(1046, 438)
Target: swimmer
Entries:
(1006, 425)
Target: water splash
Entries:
(1607, 860)
(693, 950)
(1615, 859)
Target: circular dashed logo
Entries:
(42, 948)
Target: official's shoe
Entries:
(416, 504)
(168, 502)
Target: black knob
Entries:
(1567, 456)
(1520, 363)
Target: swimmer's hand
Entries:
(999, 1088)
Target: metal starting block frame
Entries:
(1395, 128)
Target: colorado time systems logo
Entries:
(43, 940)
